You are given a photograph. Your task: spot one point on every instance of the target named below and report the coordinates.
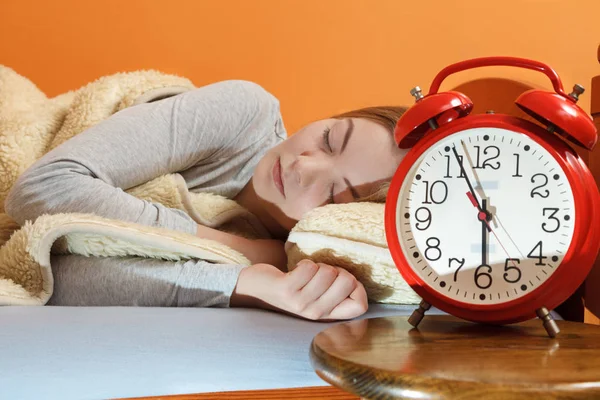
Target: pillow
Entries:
(351, 236)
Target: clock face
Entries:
(491, 231)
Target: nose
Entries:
(309, 168)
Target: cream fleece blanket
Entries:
(32, 124)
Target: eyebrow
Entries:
(348, 134)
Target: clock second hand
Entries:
(471, 195)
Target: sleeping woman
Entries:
(229, 139)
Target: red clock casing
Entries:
(439, 115)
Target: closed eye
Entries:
(326, 140)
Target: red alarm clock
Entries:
(490, 217)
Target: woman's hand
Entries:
(312, 291)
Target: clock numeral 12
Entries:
(486, 162)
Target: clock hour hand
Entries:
(484, 227)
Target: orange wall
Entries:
(317, 56)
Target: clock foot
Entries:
(417, 315)
(549, 322)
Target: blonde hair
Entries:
(386, 116)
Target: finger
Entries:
(353, 306)
(359, 293)
(319, 284)
(340, 289)
(303, 273)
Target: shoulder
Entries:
(243, 93)
(245, 104)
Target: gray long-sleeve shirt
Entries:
(213, 136)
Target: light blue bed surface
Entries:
(106, 352)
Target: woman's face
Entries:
(327, 161)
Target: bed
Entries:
(107, 352)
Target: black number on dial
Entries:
(486, 276)
(433, 246)
(539, 256)
(461, 262)
(486, 162)
(551, 216)
(427, 219)
(512, 267)
(436, 196)
(449, 161)
(517, 175)
(535, 191)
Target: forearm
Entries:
(139, 281)
(267, 251)
(68, 187)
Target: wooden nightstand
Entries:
(448, 358)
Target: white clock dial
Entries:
(500, 244)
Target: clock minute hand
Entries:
(471, 193)
(464, 174)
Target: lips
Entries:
(277, 179)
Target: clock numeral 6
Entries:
(486, 275)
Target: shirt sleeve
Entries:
(90, 172)
(138, 281)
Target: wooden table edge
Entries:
(309, 392)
